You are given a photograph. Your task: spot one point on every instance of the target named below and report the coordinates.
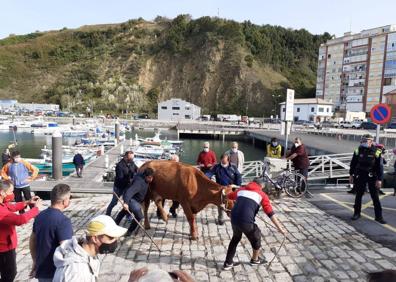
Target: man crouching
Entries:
(248, 200)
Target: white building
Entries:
(313, 109)
(37, 107)
(178, 109)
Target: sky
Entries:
(333, 16)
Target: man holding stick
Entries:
(133, 198)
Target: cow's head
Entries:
(228, 204)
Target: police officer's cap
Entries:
(366, 137)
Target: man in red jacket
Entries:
(206, 158)
(248, 200)
(8, 221)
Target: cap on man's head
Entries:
(104, 225)
(366, 137)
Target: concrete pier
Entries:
(57, 155)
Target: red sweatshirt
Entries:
(206, 158)
(8, 221)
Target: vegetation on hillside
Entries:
(219, 64)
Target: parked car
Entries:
(391, 127)
(368, 125)
(327, 124)
(356, 124)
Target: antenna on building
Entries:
(350, 24)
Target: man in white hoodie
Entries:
(77, 260)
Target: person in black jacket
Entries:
(367, 168)
(79, 163)
(133, 198)
(125, 171)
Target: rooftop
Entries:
(310, 101)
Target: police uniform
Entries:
(367, 167)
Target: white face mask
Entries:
(224, 165)
(274, 144)
(296, 144)
(17, 160)
(206, 150)
(234, 150)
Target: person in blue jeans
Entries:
(133, 198)
(50, 228)
(226, 174)
(125, 171)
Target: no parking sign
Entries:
(381, 114)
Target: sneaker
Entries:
(128, 233)
(380, 220)
(381, 192)
(352, 191)
(355, 217)
(258, 261)
(228, 266)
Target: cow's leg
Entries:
(191, 220)
(158, 202)
(146, 205)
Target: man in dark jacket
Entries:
(133, 198)
(125, 171)
(226, 174)
(79, 162)
(367, 168)
(299, 157)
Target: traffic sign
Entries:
(289, 112)
(381, 114)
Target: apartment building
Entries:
(357, 70)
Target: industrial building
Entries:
(356, 71)
(178, 109)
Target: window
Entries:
(187, 117)
(298, 110)
(187, 108)
(175, 114)
(312, 109)
(321, 110)
(176, 108)
(328, 110)
(164, 108)
(387, 81)
(283, 109)
(329, 56)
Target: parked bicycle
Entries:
(291, 182)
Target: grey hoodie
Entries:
(74, 264)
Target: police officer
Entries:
(367, 168)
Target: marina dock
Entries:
(91, 182)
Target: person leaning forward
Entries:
(133, 198)
(367, 168)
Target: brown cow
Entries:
(185, 184)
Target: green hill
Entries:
(221, 65)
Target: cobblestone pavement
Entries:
(320, 247)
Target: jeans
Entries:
(26, 194)
(136, 209)
(361, 180)
(8, 267)
(79, 170)
(251, 231)
(114, 200)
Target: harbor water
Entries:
(30, 145)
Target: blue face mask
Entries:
(364, 145)
(274, 144)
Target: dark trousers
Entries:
(172, 209)
(79, 170)
(26, 195)
(114, 200)
(8, 267)
(136, 209)
(361, 180)
(251, 231)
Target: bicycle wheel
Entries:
(295, 185)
